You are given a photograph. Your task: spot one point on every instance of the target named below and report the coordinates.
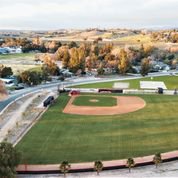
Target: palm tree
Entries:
(157, 159)
(98, 166)
(130, 163)
(65, 167)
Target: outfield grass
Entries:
(170, 81)
(58, 136)
(12, 56)
(101, 101)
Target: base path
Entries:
(125, 104)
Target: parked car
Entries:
(74, 92)
(48, 101)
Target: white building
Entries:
(14, 50)
(8, 82)
(10, 50)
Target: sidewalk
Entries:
(166, 170)
(85, 167)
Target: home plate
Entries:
(152, 85)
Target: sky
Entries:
(80, 14)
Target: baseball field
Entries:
(62, 136)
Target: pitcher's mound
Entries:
(125, 104)
(93, 100)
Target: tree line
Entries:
(94, 56)
(29, 45)
(165, 35)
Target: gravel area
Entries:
(19, 116)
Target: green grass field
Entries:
(170, 81)
(58, 136)
(101, 101)
(12, 56)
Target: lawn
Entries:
(20, 62)
(95, 101)
(58, 136)
(14, 56)
(170, 81)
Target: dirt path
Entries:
(125, 104)
(17, 115)
(20, 116)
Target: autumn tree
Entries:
(91, 62)
(107, 48)
(53, 46)
(124, 62)
(146, 50)
(145, 66)
(77, 59)
(50, 66)
(109, 57)
(74, 63)
(65, 58)
(62, 54)
(82, 56)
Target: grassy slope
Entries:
(135, 39)
(57, 136)
(102, 101)
(170, 81)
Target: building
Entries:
(8, 82)
(14, 50)
(3, 51)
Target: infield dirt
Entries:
(125, 104)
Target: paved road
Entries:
(70, 82)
